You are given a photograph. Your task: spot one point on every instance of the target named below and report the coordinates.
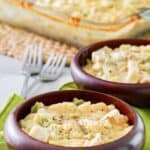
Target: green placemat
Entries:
(11, 104)
(145, 114)
(15, 100)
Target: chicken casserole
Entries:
(124, 64)
(76, 124)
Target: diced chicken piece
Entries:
(85, 107)
(100, 107)
(39, 133)
(97, 67)
(100, 55)
(112, 113)
(111, 107)
(117, 56)
(119, 120)
(133, 75)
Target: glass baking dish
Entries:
(64, 27)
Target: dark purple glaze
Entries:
(136, 94)
(18, 140)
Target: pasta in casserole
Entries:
(75, 124)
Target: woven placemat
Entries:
(13, 42)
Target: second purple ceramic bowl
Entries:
(136, 94)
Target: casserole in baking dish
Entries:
(86, 21)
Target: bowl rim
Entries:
(82, 50)
(118, 141)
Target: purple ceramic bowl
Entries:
(136, 94)
(18, 140)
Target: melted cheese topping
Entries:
(103, 11)
(75, 124)
(126, 64)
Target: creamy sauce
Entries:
(75, 124)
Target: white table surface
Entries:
(11, 80)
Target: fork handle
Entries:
(25, 85)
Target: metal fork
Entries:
(52, 69)
(32, 64)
